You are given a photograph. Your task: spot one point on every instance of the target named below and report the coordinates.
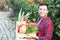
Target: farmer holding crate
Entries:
(44, 24)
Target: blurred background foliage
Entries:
(26, 5)
(32, 7)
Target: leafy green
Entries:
(20, 16)
(31, 30)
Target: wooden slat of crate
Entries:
(21, 36)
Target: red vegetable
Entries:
(19, 26)
(31, 24)
(25, 18)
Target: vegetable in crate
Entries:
(31, 30)
(21, 22)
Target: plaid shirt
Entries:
(45, 29)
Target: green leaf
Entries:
(59, 25)
(58, 33)
(20, 16)
(31, 30)
(58, 5)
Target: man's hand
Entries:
(31, 37)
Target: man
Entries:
(44, 23)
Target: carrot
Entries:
(19, 28)
(25, 18)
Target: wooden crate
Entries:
(21, 36)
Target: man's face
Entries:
(43, 10)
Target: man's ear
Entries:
(47, 11)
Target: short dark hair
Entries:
(41, 4)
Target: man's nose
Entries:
(41, 10)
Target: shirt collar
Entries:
(44, 18)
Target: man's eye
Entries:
(40, 9)
(44, 9)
